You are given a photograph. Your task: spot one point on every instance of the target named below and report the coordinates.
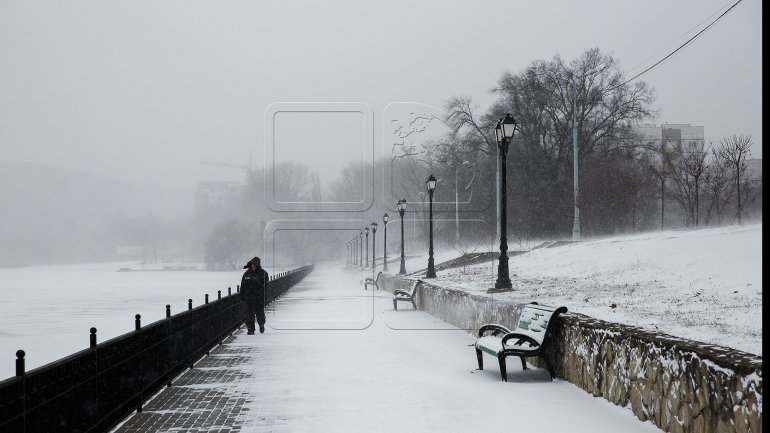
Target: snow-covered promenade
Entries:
(337, 358)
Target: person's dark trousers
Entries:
(251, 308)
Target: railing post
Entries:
(138, 321)
(189, 304)
(219, 294)
(192, 332)
(207, 298)
(93, 337)
(238, 288)
(168, 315)
(229, 291)
(20, 363)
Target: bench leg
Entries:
(481, 361)
(414, 304)
(394, 305)
(523, 363)
(549, 367)
(503, 373)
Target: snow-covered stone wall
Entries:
(679, 385)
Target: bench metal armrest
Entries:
(495, 328)
(521, 339)
(402, 292)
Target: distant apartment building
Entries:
(669, 136)
(667, 140)
(216, 193)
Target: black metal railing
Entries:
(91, 391)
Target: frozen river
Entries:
(48, 310)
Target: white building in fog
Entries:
(669, 136)
(216, 193)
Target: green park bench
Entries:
(531, 338)
(403, 295)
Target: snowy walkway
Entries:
(336, 358)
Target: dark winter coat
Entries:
(253, 284)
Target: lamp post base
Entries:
(576, 234)
(503, 280)
(503, 284)
(495, 290)
(431, 272)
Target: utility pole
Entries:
(576, 225)
(457, 210)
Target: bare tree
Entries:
(694, 165)
(717, 185)
(687, 167)
(227, 246)
(734, 150)
(661, 174)
(545, 98)
(350, 183)
(467, 126)
(295, 182)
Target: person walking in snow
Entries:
(253, 285)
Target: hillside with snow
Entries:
(703, 285)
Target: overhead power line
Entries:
(684, 35)
(678, 49)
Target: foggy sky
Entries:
(146, 90)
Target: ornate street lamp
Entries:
(374, 244)
(385, 219)
(361, 249)
(366, 231)
(431, 185)
(402, 205)
(504, 133)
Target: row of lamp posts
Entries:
(504, 131)
(356, 245)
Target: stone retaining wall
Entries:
(679, 385)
